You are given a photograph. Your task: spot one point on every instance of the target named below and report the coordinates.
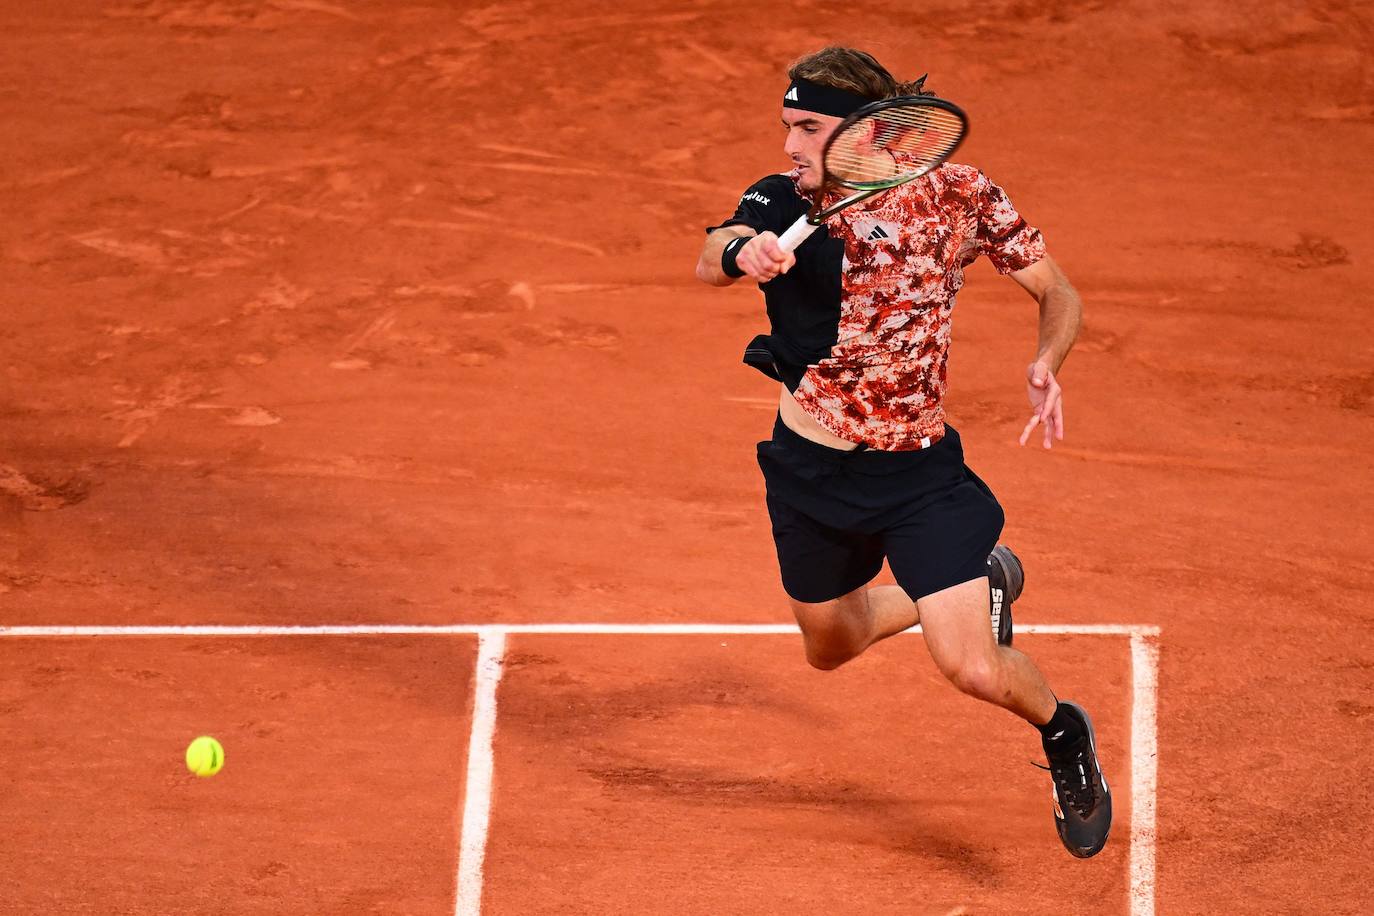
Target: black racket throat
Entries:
(818, 216)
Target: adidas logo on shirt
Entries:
(877, 234)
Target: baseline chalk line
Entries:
(480, 629)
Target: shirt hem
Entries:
(922, 436)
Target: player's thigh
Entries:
(821, 565)
(954, 622)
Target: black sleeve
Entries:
(769, 205)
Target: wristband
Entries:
(731, 251)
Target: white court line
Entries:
(479, 629)
(472, 844)
(1144, 772)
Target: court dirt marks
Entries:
(284, 346)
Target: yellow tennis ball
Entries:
(204, 756)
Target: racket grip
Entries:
(797, 233)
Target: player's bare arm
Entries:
(759, 257)
(1061, 315)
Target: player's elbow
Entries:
(704, 273)
(710, 275)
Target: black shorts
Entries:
(837, 515)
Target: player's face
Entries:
(807, 132)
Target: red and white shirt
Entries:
(872, 365)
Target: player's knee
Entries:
(831, 638)
(979, 677)
(827, 658)
(827, 648)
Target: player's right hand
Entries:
(762, 259)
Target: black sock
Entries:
(1063, 730)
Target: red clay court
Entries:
(360, 409)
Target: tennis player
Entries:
(862, 466)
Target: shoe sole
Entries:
(1013, 576)
(1087, 852)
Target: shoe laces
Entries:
(1071, 771)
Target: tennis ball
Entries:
(204, 756)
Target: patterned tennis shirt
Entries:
(861, 325)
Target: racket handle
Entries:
(797, 233)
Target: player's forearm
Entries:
(1061, 314)
(709, 269)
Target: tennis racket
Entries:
(882, 145)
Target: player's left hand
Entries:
(1047, 400)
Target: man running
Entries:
(861, 466)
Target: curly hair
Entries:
(853, 71)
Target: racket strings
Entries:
(893, 145)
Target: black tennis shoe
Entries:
(1006, 578)
(1082, 801)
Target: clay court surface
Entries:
(382, 315)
